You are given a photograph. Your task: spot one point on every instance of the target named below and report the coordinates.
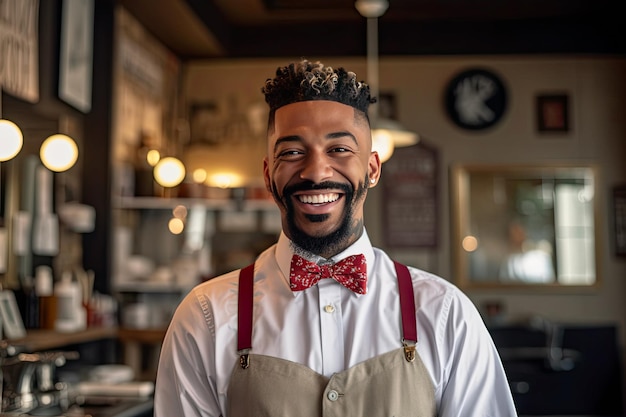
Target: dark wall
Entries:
(41, 119)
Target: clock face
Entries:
(476, 99)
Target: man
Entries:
(387, 341)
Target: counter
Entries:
(125, 408)
(122, 408)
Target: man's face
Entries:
(318, 168)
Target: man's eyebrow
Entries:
(296, 138)
(290, 138)
(336, 135)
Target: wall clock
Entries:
(476, 99)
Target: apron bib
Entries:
(394, 384)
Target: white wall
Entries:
(597, 90)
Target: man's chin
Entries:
(317, 218)
(316, 232)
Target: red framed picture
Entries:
(553, 113)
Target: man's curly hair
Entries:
(306, 81)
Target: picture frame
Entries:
(619, 220)
(410, 193)
(552, 113)
(76, 53)
(11, 321)
(549, 245)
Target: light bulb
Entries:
(199, 175)
(382, 142)
(153, 157)
(176, 226)
(11, 140)
(169, 172)
(58, 153)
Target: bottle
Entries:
(44, 289)
(31, 303)
(71, 315)
(144, 178)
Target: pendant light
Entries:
(386, 133)
(11, 138)
(58, 152)
(169, 172)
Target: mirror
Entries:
(524, 226)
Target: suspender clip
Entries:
(244, 358)
(409, 350)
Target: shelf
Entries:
(151, 287)
(160, 203)
(38, 340)
(148, 336)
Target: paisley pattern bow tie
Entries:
(350, 272)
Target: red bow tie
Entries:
(350, 272)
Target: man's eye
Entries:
(340, 149)
(289, 152)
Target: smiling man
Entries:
(318, 169)
(324, 324)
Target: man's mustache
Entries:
(311, 186)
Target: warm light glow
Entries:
(11, 140)
(58, 153)
(400, 135)
(199, 175)
(372, 10)
(153, 157)
(180, 212)
(225, 165)
(470, 243)
(176, 226)
(383, 144)
(169, 172)
(225, 180)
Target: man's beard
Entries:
(334, 241)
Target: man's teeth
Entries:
(318, 199)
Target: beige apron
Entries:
(394, 384)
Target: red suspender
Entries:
(245, 306)
(407, 302)
(244, 318)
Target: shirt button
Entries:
(332, 395)
(329, 308)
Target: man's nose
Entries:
(316, 168)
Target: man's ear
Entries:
(374, 169)
(266, 175)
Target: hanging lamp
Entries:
(387, 134)
(11, 138)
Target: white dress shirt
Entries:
(329, 329)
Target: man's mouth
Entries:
(318, 198)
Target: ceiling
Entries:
(201, 29)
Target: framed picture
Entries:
(11, 321)
(76, 54)
(619, 219)
(553, 113)
(411, 210)
(497, 245)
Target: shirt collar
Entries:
(284, 252)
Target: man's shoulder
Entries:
(421, 278)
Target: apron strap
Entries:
(244, 316)
(245, 305)
(407, 309)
